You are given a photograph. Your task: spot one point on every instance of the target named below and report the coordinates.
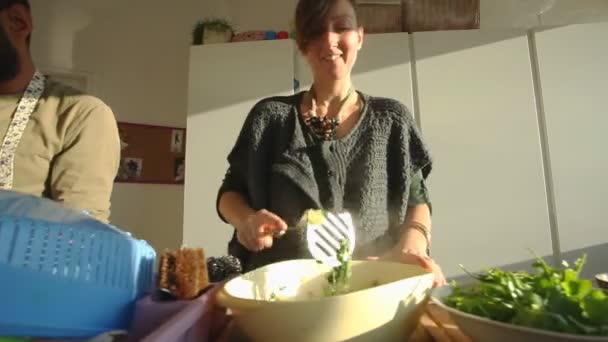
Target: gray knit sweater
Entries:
(278, 164)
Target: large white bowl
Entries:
(482, 329)
(386, 303)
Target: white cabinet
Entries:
(478, 114)
(226, 80)
(574, 78)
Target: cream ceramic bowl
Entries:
(483, 329)
(285, 302)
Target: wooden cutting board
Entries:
(437, 326)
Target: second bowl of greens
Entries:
(551, 304)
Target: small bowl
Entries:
(602, 280)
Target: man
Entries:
(56, 142)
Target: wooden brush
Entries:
(183, 272)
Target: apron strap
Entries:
(25, 108)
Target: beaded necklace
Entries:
(325, 127)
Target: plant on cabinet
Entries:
(212, 31)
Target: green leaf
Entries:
(596, 305)
(339, 277)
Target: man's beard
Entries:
(9, 60)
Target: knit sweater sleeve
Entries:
(249, 157)
(414, 155)
(419, 193)
(420, 156)
(420, 160)
(410, 162)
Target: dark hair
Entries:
(311, 17)
(8, 3)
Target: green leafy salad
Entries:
(338, 279)
(555, 299)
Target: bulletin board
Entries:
(151, 154)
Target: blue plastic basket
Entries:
(76, 278)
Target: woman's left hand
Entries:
(415, 258)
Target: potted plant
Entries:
(212, 31)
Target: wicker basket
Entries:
(381, 17)
(438, 15)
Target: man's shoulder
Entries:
(68, 98)
(73, 109)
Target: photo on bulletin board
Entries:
(151, 154)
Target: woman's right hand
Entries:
(259, 229)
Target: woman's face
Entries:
(332, 55)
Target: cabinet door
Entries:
(226, 80)
(574, 78)
(478, 115)
(382, 68)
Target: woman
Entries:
(331, 147)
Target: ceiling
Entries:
(494, 13)
(528, 13)
(532, 13)
(96, 5)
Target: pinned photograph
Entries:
(130, 169)
(177, 141)
(179, 170)
(123, 138)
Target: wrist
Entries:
(415, 239)
(240, 218)
(244, 219)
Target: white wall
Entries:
(260, 14)
(479, 116)
(566, 12)
(501, 14)
(225, 82)
(55, 26)
(574, 77)
(137, 54)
